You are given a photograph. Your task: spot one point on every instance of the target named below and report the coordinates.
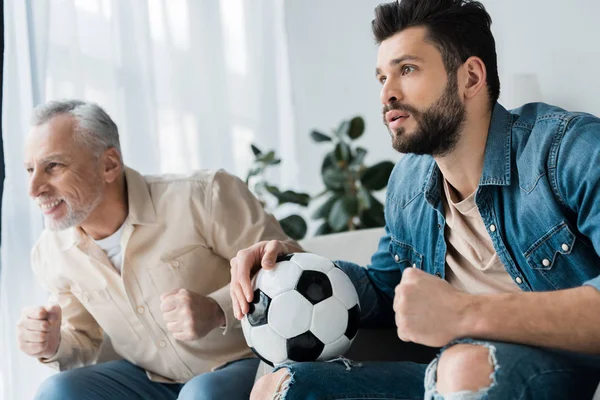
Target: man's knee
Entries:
(205, 386)
(269, 385)
(62, 386)
(464, 367)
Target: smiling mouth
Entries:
(49, 208)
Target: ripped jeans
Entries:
(519, 372)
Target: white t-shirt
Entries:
(112, 247)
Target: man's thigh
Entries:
(233, 381)
(114, 380)
(526, 372)
(344, 379)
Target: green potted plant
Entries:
(349, 185)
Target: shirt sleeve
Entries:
(237, 220)
(81, 336)
(577, 177)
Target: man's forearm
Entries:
(565, 319)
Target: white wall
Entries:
(547, 51)
(332, 65)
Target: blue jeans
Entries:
(117, 380)
(520, 373)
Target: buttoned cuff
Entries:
(64, 352)
(223, 299)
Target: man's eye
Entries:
(30, 171)
(382, 80)
(52, 166)
(407, 69)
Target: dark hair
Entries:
(458, 28)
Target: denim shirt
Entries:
(539, 197)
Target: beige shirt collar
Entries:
(141, 209)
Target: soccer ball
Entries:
(304, 309)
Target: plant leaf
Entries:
(377, 176)
(342, 152)
(357, 128)
(343, 129)
(334, 179)
(319, 137)
(266, 158)
(290, 196)
(253, 172)
(294, 226)
(324, 229)
(359, 157)
(274, 190)
(255, 150)
(342, 211)
(372, 217)
(325, 208)
(364, 198)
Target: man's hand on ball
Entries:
(38, 331)
(189, 315)
(246, 263)
(429, 310)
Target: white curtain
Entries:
(190, 84)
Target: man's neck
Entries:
(110, 214)
(462, 168)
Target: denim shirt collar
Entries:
(496, 164)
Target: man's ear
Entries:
(112, 165)
(475, 77)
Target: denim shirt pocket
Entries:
(544, 254)
(404, 255)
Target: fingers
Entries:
(175, 327)
(33, 336)
(244, 263)
(167, 294)
(168, 303)
(39, 313)
(32, 349)
(184, 336)
(54, 313)
(171, 316)
(34, 325)
(242, 304)
(272, 250)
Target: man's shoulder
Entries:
(538, 129)
(197, 177)
(541, 118)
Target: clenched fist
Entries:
(38, 331)
(429, 310)
(190, 316)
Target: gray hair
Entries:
(93, 126)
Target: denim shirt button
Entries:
(414, 265)
(565, 247)
(546, 262)
(518, 280)
(396, 258)
(493, 228)
(438, 274)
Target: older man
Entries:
(142, 259)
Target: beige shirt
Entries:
(181, 232)
(472, 264)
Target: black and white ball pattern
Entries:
(304, 309)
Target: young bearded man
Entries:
(492, 244)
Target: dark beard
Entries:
(438, 127)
